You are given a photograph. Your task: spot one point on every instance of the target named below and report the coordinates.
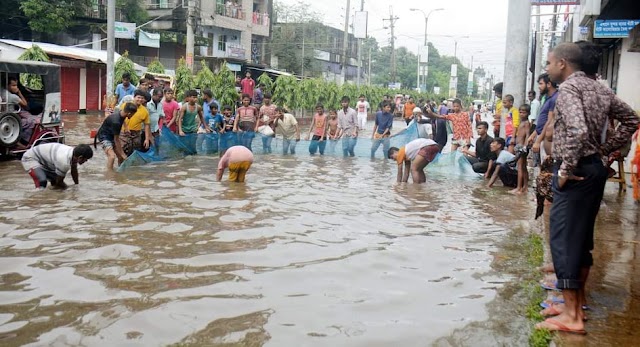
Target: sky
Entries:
(478, 26)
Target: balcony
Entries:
(261, 19)
(97, 13)
(230, 10)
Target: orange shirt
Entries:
(400, 158)
(408, 109)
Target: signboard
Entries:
(436, 90)
(424, 54)
(149, 39)
(555, 2)
(614, 28)
(125, 30)
(360, 24)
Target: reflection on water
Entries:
(311, 251)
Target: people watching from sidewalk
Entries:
(539, 142)
(413, 158)
(510, 121)
(479, 159)
(522, 150)
(582, 111)
(247, 84)
(50, 162)
(534, 103)
(497, 114)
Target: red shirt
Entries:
(247, 86)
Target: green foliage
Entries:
(225, 87)
(156, 66)
(284, 93)
(205, 79)
(133, 11)
(184, 80)
(124, 64)
(267, 81)
(535, 251)
(35, 53)
(52, 16)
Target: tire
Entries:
(10, 129)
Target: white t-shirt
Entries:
(362, 107)
(504, 157)
(535, 108)
(52, 157)
(412, 148)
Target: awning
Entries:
(271, 71)
(86, 54)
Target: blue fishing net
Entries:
(453, 163)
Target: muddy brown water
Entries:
(309, 252)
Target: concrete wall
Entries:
(629, 75)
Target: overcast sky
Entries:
(479, 26)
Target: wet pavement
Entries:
(311, 251)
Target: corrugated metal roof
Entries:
(86, 54)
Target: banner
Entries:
(614, 28)
(125, 30)
(149, 39)
(360, 25)
(555, 2)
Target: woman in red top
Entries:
(319, 130)
(246, 123)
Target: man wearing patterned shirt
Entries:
(583, 109)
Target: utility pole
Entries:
(111, 46)
(369, 68)
(537, 67)
(190, 35)
(360, 47)
(302, 64)
(392, 23)
(515, 66)
(345, 43)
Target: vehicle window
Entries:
(31, 81)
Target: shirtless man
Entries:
(522, 151)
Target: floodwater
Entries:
(311, 251)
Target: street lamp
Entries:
(426, 23)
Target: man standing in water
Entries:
(348, 125)
(583, 108)
(363, 111)
(238, 159)
(51, 162)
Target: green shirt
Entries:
(189, 124)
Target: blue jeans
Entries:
(266, 144)
(289, 145)
(348, 145)
(386, 144)
(245, 138)
(317, 144)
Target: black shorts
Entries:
(508, 176)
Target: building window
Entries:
(222, 43)
(159, 4)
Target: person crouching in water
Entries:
(414, 156)
(503, 166)
(51, 162)
(238, 159)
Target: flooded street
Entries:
(311, 251)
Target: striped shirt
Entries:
(52, 157)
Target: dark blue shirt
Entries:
(384, 121)
(549, 105)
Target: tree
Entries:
(156, 67)
(184, 80)
(124, 65)
(225, 87)
(35, 53)
(267, 81)
(52, 16)
(133, 11)
(205, 79)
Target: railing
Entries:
(98, 10)
(261, 18)
(230, 10)
(161, 4)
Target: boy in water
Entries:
(109, 133)
(522, 151)
(238, 159)
(462, 132)
(500, 167)
(414, 156)
(333, 131)
(227, 137)
(171, 108)
(51, 162)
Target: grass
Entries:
(535, 256)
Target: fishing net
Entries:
(169, 146)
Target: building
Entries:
(327, 44)
(83, 72)
(233, 30)
(613, 25)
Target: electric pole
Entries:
(360, 47)
(392, 22)
(345, 43)
(190, 35)
(111, 46)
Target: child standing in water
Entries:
(521, 150)
(246, 123)
(333, 132)
(319, 130)
(227, 137)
